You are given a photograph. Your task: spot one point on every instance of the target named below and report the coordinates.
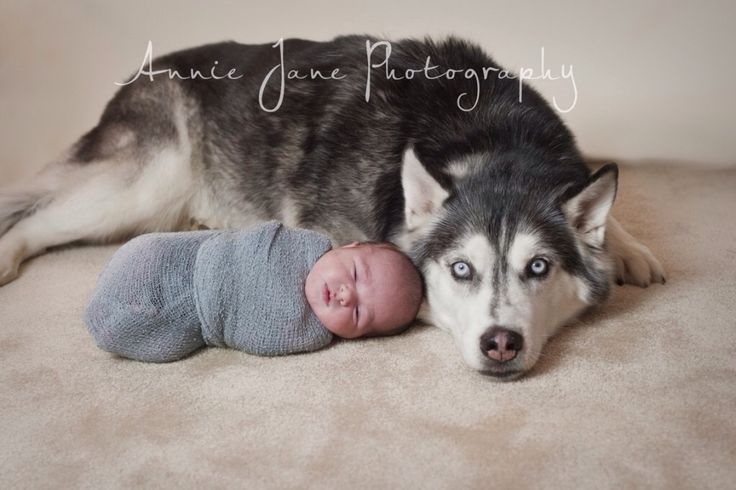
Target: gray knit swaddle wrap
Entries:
(165, 295)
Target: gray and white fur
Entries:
(496, 205)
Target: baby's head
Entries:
(364, 289)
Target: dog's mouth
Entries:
(502, 374)
(502, 371)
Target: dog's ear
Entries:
(588, 210)
(423, 195)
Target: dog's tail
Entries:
(16, 205)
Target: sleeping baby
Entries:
(267, 290)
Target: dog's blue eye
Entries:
(538, 267)
(461, 270)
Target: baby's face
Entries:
(353, 290)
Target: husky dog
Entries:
(495, 204)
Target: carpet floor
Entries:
(639, 393)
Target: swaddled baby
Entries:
(266, 290)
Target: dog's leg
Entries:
(635, 263)
(97, 202)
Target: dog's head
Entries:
(510, 251)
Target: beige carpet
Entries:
(641, 393)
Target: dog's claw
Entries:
(639, 267)
(10, 260)
(7, 274)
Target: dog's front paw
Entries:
(635, 263)
(11, 256)
(8, 271)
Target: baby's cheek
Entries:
(323, 317)
(331, 321)
(341, 324)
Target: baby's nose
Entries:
(345, 295)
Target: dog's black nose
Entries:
(501, 344)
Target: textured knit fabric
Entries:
(165, 295)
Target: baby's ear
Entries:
(351, 245)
